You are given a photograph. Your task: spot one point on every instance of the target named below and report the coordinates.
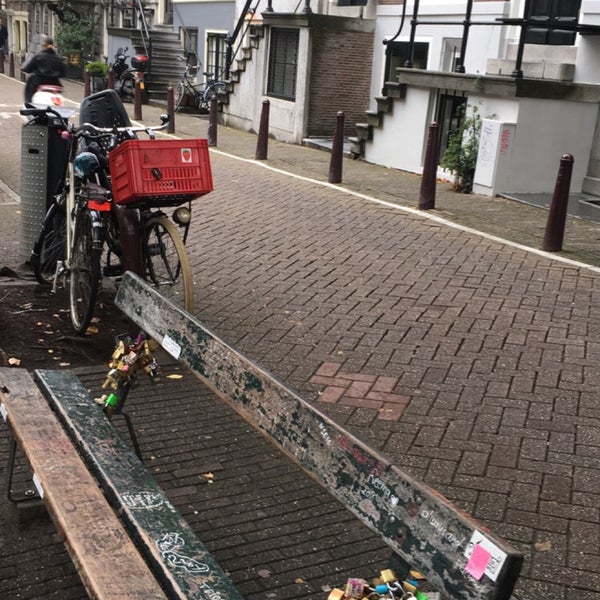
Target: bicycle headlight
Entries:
(182, 215)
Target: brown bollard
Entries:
(337, 150)
(212, 120)
(262, 142)
(137, 102)
(111, 80)
(171, 109)
(427, 192)
(87, 84)
(557, 217)
(11, 64)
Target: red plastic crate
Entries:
(160, 172)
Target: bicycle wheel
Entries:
(218, 88)
(49, 248)
(167, 264)
(178, 95)
(84, 274)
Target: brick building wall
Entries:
(340, 76)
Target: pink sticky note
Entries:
(478, 562)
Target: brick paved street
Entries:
(470, 362)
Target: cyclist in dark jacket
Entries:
(46, 68)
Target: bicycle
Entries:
(197, 95)
(71, 249)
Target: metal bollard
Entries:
(427, 191)
(111, 80)
(137, 102)
(212, 121)
(337, 150)
(11, 64)
(171, 109)
(87, 84)
(263, 132)
(1, 61)
(557, 216)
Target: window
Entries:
(216, 54)
(396, 55)
(283, 63)
(352, 2)
(549, 15)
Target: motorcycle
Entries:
(127, 77)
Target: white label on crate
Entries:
(494, 556)
(38, 485)
(171, 346)
(186, 155)
(3, 411)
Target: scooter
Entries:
(52, 96)
(127, 77)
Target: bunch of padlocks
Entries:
(129, 357)
(386, 586)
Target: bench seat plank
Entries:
(180, 561)
(419, 524)
(108, 562)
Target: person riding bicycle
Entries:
(46, 67)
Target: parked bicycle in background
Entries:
(190, 94)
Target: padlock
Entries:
(388, 576)
(336, 594)
(355, 588)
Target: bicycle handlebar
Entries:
(109, 131)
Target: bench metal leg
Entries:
(132, 435)
(10, 469)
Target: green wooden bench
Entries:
(457, 555)
(151, 550)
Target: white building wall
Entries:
(286, 118)
(400, 143)
(484, 40)
(545, 131)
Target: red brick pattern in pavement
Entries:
(361, 390)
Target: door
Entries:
(547, 17)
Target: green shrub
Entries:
(460, 156)
(97, 69)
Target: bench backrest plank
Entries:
(180, 561)
(108, 562)
(420, 525)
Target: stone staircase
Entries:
(252, 41)
(166, 68)
(375, 118)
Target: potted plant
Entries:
(98, 73)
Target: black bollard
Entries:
(87, 84)
(262, 142)
(427, 192)
(1, 61)
(111, 80)
(212, 121)
(555, 225)
(137, 102)
(337, 150)
(171, 109)
(11, 64)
